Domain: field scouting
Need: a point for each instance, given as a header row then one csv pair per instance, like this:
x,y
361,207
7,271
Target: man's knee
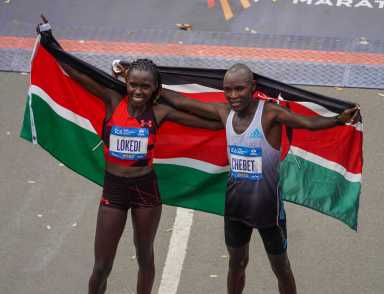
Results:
x,y
238,263
281,266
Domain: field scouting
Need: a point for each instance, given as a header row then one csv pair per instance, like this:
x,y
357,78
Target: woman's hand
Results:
x,y
42,27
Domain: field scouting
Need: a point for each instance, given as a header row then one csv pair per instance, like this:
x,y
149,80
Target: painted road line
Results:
x,y
176,251
245,3
227,11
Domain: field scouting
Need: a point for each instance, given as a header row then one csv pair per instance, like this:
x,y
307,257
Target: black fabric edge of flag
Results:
x,y
207,77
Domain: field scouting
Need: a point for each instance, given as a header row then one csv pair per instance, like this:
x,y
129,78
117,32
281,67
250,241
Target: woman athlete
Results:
x,y
130,181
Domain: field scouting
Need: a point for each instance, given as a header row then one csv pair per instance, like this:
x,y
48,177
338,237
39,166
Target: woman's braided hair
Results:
x,y
142,65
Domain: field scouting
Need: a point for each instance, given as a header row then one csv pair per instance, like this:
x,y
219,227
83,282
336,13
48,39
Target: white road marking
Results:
x,y
176,251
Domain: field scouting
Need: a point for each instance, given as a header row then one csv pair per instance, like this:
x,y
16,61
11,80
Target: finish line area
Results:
x,y
49,212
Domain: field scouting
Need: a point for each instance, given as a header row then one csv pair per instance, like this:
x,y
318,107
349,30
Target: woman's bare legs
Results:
x,y
110,226
145,222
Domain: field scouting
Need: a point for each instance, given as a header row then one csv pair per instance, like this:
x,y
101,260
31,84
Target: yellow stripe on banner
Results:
x,y
245,4
228,14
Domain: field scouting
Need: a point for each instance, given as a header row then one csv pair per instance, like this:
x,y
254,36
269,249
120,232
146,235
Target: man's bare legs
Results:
x,y
282,269
238,261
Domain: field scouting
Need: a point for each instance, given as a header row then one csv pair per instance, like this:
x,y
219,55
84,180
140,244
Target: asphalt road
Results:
x,y
48,213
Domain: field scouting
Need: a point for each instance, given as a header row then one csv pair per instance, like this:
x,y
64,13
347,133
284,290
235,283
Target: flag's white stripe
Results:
x,y
32,120
318,109
189,162
85,123
176,251
191,88
194,163
31,115
60,110
296,151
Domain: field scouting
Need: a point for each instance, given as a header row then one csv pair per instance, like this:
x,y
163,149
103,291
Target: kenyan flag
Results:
x,y
320,170
66,120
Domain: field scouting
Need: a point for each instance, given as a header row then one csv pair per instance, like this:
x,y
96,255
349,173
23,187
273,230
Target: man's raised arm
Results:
x,y
285,116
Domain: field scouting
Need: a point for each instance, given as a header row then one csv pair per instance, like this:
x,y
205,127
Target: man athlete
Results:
x,y
253,130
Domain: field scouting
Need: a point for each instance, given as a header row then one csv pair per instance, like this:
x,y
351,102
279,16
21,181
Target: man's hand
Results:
x,y
350,115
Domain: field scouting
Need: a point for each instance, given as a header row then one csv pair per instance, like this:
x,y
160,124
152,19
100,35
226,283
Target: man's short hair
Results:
x,y
240,67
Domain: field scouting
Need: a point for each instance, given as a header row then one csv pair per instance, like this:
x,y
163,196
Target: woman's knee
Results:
x,y
145,258
102,268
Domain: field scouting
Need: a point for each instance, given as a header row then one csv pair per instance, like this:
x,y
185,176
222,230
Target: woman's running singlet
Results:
x,y
128,140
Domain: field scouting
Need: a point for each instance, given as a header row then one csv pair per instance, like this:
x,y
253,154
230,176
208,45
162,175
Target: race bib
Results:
x,y
128,143
246,163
